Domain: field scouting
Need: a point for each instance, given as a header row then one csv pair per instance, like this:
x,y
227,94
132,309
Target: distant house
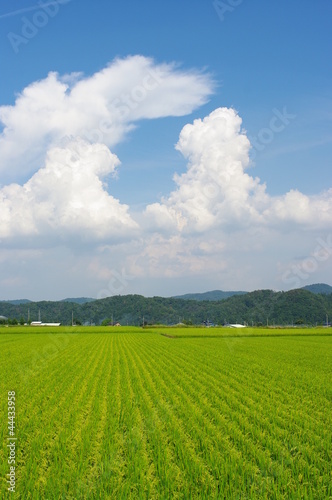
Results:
x,y
3,318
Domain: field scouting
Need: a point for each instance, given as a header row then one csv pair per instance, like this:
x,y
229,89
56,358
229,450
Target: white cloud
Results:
x,y
99,108
218,226
179,256
216,192
299,209
66,199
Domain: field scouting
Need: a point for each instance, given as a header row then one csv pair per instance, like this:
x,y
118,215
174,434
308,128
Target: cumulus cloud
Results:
x,y
59,132
99,108
219,223
66,198
299,209
217,192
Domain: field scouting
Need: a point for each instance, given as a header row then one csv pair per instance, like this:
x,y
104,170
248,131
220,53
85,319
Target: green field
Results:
x,y
199,413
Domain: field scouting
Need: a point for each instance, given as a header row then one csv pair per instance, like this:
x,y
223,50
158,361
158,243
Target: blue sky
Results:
x,y
244,90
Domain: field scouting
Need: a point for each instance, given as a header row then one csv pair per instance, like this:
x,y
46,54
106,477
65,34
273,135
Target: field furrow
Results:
x,y
132,414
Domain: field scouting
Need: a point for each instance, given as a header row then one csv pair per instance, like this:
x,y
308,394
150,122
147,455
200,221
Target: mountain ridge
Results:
x,y
318,288
297,306
210,295
78,300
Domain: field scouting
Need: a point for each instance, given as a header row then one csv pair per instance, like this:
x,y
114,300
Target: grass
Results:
x,y
214,332
130,413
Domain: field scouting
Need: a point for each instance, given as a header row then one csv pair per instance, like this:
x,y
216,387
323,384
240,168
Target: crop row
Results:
x,y
139,415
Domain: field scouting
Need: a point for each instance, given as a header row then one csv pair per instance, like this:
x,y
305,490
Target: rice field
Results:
x,y
131,413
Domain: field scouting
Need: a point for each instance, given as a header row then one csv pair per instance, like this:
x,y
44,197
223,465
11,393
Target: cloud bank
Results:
x,y
58,168
217,192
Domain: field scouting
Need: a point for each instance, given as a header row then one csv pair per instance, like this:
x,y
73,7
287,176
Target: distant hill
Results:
x,y
261,307
79,300
318,288
17,302
213,295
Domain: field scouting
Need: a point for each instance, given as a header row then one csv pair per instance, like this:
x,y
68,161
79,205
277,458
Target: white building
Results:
x,y
39,323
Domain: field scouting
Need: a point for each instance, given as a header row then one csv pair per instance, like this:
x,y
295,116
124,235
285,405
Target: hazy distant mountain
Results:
x,y
17,302
318,288
213,295
79,300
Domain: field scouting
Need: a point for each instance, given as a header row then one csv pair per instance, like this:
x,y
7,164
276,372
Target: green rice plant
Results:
x,y
131,413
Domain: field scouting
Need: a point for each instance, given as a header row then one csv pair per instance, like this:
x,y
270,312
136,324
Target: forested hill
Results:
x,y
259,307
319,288
213,295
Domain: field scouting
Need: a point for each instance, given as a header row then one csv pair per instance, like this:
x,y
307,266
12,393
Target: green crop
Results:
x,y
130,413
